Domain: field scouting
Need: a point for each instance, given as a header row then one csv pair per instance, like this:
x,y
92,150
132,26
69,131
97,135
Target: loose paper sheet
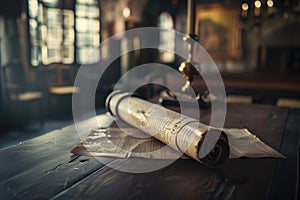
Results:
x,y
123,143
242,143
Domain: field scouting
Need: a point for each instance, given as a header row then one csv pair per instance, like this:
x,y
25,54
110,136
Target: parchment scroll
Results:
x,y
181,133
160,133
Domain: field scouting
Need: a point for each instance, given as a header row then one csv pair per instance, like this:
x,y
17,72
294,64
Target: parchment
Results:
x,y
181,133
103,142
153,132
131,143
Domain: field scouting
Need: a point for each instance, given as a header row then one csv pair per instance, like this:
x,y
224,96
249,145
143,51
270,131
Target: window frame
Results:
x,y
43,49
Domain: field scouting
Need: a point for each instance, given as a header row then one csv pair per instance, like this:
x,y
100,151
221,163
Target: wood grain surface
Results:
x,y
44,168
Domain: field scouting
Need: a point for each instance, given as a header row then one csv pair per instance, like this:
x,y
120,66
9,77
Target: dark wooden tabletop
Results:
x,y
44,168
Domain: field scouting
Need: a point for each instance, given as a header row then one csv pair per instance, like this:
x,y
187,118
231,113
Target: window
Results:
x,y
87,30
58,35
167,38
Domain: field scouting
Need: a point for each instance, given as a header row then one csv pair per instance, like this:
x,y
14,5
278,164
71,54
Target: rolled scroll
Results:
x,y
180,132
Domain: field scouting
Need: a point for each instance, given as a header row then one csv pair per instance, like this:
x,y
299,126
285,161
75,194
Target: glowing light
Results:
x,y
126,12
257,4
245,6
270,3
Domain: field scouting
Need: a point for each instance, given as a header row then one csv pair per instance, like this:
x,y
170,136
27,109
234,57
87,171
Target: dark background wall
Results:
x,y
268,44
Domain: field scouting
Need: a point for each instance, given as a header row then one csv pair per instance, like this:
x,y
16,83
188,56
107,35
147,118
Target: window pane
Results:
x,y
83,55
33,24
33,38
54,35
33,8
68,54
94,25
68,18
81,10
80,55
41,14
51,54
87,27
167,38
35,56
33,31
51,2
43,34
93,12
82,24
68,36
54,16
51,29
96,40
89,2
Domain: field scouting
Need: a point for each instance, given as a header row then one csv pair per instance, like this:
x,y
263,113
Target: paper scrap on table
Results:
x,y
242,143
114,142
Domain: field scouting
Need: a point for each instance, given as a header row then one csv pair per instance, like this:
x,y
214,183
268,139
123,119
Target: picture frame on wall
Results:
x,y
217,28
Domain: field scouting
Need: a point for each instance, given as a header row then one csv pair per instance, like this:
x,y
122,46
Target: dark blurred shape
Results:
x,y
10,8
23,99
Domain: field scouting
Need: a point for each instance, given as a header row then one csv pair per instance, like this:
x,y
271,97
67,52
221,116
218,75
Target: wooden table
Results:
x,y
44,168
270,86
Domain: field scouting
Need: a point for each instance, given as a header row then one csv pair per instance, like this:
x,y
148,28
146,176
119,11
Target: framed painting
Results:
x,y
217,27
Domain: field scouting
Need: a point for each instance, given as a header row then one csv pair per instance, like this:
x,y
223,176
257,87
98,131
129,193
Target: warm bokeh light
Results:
x,y
270,3
245,6
257,4
126,12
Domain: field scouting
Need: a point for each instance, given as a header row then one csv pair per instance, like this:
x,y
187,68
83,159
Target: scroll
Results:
x,y
154,132
182,133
